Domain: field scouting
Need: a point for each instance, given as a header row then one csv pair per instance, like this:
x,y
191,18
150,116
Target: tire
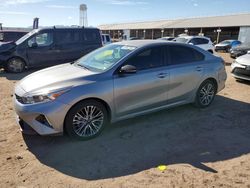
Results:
x,y
79,122
15,65
205,94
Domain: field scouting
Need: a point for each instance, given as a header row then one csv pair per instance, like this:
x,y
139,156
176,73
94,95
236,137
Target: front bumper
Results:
x,y
240,71
235,54
221,48
3,60
53,113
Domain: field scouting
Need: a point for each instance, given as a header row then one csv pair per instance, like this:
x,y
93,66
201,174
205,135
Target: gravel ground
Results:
x,y
200,147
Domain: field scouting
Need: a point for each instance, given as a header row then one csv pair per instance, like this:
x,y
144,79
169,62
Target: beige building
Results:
x,y
222,27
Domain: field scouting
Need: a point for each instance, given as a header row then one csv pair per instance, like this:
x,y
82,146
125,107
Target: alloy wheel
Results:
x,y
206,94
88,121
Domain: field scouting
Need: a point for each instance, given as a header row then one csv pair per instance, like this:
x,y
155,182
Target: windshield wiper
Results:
x,y
80,65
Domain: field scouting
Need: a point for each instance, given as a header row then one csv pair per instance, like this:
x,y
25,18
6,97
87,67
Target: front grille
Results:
x,y
19,99
241,71
220,48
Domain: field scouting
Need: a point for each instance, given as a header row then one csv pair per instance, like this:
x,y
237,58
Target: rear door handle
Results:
x,y
162,75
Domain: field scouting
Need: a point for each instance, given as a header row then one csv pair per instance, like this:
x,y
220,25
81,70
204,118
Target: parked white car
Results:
x,y
241,67
200,41
106,39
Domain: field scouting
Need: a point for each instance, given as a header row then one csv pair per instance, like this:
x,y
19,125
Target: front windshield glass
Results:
x,y
22,39
181,40
105,57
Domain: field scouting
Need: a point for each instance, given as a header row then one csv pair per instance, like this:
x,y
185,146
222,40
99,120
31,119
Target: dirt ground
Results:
x,y
200,147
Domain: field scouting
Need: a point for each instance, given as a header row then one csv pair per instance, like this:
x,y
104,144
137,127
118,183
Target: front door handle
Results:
x,y
162,75
199,68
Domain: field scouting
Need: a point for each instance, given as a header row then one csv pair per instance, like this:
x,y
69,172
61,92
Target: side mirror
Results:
x,y
191,43
127,69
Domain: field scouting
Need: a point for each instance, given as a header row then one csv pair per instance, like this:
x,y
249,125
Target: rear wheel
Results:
x,y
15,65
205,94
86,120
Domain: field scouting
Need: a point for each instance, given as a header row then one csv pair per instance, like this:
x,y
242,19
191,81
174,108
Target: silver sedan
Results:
x,y
116,82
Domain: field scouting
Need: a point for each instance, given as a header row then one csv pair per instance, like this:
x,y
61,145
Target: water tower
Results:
x,y
83,15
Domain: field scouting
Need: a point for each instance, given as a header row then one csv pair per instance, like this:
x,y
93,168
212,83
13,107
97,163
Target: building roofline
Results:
x,y
170,23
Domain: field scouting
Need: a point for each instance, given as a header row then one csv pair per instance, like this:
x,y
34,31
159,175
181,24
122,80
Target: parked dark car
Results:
x,y
48,46
240,50
226,45
6,35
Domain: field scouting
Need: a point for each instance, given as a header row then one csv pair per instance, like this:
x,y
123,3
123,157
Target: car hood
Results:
x,y
242,47
222,45
6,46
53,78
244,60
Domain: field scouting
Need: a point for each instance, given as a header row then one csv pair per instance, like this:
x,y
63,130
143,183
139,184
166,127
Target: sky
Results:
x,y
20,13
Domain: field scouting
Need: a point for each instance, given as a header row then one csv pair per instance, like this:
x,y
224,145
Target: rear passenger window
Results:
x,y
203,41
91,36
182,54
68,37
150,58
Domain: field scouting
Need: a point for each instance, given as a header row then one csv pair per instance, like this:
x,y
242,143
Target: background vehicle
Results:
x,y
117,82
106,39
240,50
49,46
7,35
166,38
241,67
226,45
202,42
134,38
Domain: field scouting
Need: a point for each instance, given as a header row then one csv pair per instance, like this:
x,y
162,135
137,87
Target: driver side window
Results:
x,y
44,39
147,59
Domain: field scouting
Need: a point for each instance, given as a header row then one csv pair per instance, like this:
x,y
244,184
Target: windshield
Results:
x,y
181,40
105,57
22,39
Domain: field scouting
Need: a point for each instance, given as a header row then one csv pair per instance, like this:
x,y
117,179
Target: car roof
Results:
x,y
13,31
229,40
141,43
189,37
67,28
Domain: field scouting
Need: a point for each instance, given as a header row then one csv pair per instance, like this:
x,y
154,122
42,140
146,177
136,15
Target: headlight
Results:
x,y
43,97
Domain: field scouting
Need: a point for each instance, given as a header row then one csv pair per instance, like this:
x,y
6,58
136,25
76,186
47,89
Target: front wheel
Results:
x,y
205,94
15,65
86,120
